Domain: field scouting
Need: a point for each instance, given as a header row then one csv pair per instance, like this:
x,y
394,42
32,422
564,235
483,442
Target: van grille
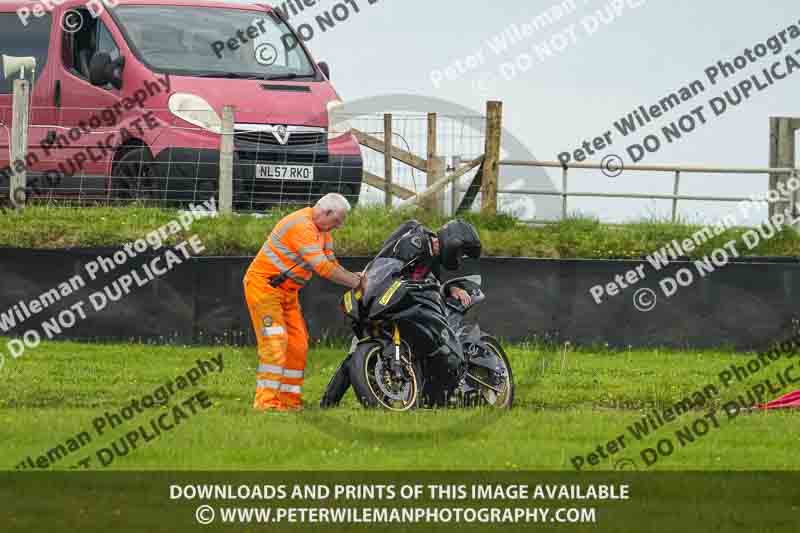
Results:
x,y
268,139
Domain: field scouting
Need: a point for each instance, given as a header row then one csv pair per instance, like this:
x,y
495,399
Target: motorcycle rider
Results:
x,y
423,252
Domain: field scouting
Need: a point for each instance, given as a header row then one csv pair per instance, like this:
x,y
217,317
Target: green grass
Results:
x,y
567,404
59,227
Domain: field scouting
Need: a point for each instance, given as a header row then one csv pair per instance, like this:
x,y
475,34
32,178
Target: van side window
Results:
x,y
18,40
79,47
105,42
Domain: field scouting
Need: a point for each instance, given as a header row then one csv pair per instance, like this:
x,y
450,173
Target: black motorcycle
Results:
x,y
412,347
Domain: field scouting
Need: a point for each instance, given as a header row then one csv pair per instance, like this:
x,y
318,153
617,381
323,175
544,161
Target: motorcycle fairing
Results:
x,y
350,305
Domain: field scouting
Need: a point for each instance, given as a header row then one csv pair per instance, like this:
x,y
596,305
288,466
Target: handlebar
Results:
x,y
424,284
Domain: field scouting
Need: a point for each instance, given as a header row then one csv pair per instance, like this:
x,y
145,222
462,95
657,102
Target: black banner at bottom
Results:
x,y
762,502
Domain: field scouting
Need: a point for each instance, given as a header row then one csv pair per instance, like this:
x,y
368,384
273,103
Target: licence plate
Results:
x,y
285,172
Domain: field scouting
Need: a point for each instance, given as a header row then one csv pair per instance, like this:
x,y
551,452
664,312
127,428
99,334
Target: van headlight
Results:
x,y
338,123
195,110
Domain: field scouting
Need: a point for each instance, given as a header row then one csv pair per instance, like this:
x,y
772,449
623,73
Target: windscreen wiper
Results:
x,y
233,75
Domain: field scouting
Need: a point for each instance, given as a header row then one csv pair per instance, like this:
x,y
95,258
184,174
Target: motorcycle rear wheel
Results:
x,y
374,384
489,397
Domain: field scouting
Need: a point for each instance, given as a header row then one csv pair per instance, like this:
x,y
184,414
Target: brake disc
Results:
x,y
382,373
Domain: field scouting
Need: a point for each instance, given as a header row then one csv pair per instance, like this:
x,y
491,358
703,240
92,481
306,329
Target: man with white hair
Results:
x,y
299,245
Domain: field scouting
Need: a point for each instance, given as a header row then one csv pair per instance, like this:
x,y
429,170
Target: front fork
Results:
x,y
397,367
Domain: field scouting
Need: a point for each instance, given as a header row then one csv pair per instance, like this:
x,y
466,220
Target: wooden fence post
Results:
x,y
387,159
226,162
491,168
454,187
774,136
436,167
781,155
19,141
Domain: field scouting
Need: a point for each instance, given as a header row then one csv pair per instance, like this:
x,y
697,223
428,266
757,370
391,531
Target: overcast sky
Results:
x,y
640,57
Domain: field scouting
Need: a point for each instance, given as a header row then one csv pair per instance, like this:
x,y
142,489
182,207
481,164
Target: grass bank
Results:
x,y
59,227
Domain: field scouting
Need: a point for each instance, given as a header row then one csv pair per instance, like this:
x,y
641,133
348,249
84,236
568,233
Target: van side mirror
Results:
x,y
103,70
323,66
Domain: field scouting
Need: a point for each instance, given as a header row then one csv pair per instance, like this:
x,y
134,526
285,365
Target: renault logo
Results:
x,y
281,133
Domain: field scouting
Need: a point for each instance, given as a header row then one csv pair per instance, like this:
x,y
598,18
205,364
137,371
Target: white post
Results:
x,y
675,189
226,162
564,194
19,142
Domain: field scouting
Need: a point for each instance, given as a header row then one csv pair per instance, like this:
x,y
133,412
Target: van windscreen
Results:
x,y
213,41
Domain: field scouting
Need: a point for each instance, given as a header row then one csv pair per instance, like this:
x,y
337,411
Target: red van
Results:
x,y
127,103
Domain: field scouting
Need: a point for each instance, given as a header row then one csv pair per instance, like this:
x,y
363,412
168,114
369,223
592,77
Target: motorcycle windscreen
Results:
x,y
380,276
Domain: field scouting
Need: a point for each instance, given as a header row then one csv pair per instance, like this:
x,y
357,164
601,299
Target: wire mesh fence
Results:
x,y
114,156
459,138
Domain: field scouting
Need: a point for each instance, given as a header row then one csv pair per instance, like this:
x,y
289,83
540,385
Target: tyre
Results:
x,y
486,382
132,179
337,386
375,384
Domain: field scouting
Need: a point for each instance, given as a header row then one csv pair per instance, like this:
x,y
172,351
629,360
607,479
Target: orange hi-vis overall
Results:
x,y
277,318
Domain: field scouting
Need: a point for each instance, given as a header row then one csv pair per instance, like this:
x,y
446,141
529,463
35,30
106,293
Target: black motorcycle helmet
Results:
x,y
456,240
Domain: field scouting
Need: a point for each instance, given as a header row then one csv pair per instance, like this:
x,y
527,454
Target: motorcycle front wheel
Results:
x,y
378,384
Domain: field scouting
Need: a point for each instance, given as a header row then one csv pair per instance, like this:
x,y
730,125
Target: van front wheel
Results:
x,y
132,177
